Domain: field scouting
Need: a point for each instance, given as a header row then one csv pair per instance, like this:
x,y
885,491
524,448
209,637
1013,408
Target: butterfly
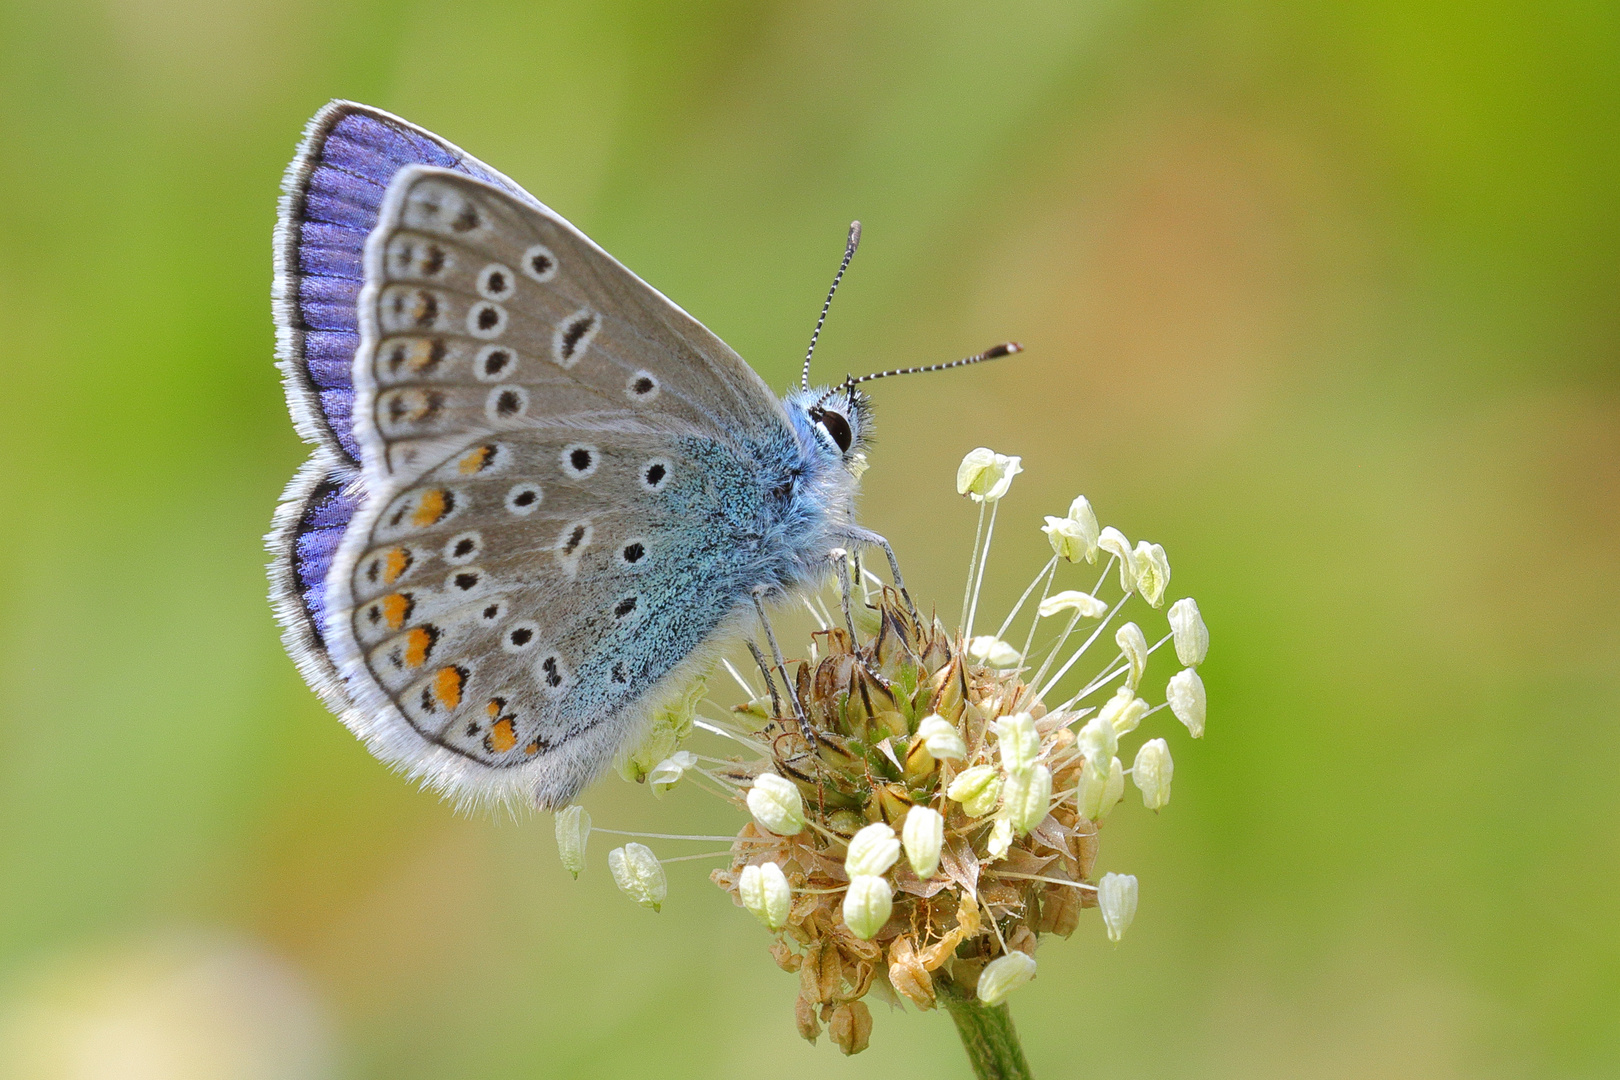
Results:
x,y
542,497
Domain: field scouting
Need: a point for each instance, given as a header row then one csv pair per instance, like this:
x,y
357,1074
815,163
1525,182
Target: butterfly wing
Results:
x,y
563,477
482,311
507,619
332,196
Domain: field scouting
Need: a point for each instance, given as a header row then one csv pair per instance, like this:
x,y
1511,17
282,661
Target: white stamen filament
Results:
x,y
742,682
1064,670
1052,649
690,858
973,561
716,729
1039,877
672,836
1029,639
984,559
1048,571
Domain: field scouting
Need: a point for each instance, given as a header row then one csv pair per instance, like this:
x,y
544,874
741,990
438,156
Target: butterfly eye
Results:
x,y
835,425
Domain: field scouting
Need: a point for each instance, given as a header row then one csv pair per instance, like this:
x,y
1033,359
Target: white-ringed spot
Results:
x,y
486,319
539,263
463,548
573,336
493,363
524,499
519,637
580,460
495,282
634,552
506,403
627,608
642,387
654,475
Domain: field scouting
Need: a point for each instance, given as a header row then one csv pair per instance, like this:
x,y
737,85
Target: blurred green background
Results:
x,y
1321,297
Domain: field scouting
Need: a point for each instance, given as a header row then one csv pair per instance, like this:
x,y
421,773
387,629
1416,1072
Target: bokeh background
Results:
x,y
1323,297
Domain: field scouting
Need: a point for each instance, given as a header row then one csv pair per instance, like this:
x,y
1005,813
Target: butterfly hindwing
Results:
x,y
514,607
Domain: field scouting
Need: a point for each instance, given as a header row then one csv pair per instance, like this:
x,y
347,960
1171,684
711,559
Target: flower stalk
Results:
x,y
988,1036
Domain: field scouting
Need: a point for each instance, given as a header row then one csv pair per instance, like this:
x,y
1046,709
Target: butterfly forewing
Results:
x,y
485,314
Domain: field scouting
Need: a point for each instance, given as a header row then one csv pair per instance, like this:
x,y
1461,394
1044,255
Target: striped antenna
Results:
x,y
849,253
995,353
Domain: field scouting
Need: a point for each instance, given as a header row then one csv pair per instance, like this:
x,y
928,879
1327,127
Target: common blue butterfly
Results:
x,y
542,496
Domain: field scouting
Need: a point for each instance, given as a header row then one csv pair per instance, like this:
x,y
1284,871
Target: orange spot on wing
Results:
x,y
503,736
434,505
495,706
447,686
395,563
396,609
477,460
533,748
418,643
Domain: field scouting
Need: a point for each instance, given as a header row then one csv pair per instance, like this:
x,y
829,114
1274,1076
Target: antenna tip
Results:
x,y
854,236
1003,350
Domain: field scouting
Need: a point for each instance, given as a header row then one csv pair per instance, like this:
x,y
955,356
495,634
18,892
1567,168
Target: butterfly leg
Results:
x,y
770,680
864,536
841,561
781,665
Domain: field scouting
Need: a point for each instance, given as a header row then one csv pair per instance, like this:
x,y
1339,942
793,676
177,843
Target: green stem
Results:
x,y
987,1035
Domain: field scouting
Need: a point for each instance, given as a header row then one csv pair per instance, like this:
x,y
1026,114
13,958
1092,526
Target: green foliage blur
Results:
x,y
1322,297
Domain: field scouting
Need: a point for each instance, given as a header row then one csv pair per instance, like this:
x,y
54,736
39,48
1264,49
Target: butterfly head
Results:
x,y
833,419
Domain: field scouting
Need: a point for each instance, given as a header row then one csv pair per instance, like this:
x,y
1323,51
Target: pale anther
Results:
x,y
637,872
1017,741
1152,572
573,829
1185,693
1003,975
867,905
765,893
1133,643
1116,896
985,476
1152,771
872,851
776,804
941,738
1113,541
924,836
976,789
1071,600
1191,635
